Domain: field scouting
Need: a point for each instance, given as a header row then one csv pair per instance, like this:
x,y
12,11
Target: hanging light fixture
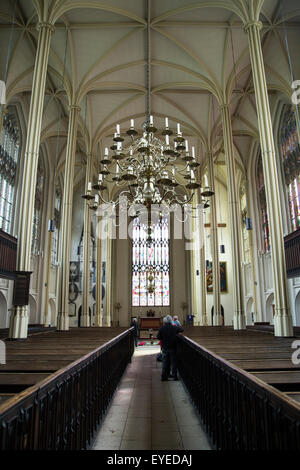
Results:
x,y
149,169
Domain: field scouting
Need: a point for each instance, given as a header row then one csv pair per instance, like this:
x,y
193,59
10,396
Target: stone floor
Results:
x,y
147,414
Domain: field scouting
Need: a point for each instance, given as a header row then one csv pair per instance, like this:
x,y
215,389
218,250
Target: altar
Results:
x,y
146,324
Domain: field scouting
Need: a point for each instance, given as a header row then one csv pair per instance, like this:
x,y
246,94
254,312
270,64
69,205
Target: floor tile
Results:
x,y
149,414
135,445
194,443
171,438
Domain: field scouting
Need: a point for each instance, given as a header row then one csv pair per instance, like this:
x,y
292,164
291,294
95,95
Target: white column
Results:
x,y
239,321
217,317
98,312
66,223
108,284
283,320
19,317
202,281
85,317
193,261
48,280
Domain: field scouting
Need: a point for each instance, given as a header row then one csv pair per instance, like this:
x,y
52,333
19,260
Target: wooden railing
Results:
x,y
239,411
8,255
64,411
292,253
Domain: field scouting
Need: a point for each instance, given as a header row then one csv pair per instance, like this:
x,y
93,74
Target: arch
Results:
x,y
52,319
297,309
80,313
270,309
222,315
249,312
3,311
31,310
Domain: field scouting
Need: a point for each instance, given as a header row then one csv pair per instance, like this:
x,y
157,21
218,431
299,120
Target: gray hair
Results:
x,y
175,317
168,319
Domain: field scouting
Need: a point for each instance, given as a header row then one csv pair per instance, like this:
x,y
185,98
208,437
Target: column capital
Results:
x,y
75,107
253,24
44,24
224,106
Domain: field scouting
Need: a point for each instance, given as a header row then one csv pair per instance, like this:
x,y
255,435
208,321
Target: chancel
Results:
x,y
149,183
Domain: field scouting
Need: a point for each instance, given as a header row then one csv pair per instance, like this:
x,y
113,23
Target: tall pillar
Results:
x,y
283,325
98,310
204,321
3,111
85,317
108,286
239,321
193,246
217,317
19,317
250,232
48,280
66,223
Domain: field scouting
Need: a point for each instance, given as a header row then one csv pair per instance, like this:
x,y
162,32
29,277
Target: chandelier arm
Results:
x,y
182,171
103,200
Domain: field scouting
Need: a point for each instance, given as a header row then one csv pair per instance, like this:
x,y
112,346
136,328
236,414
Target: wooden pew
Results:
x,y
43,353
256,351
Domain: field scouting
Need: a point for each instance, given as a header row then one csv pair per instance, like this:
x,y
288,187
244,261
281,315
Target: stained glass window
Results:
x,y
38,203
246,241
9,153
154,257
54,246
290,150
263,206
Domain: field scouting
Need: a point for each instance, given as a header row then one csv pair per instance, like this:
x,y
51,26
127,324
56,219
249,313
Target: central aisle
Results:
x,y
147,414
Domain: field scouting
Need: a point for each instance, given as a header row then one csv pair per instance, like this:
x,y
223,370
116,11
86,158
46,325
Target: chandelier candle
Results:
x,y
150,170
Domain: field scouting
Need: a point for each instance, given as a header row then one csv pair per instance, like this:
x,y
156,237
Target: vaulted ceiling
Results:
x,y
98,60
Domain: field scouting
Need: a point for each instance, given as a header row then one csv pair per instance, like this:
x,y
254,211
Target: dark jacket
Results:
x,y
136,327
167,334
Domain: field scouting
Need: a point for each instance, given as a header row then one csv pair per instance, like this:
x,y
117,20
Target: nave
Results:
x,y
147,414
92,389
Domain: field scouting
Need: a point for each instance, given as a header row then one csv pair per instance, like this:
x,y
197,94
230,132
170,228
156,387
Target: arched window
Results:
x,y
9,152
264,220
290,150
156,256
54,245
80,252
38,205
244,215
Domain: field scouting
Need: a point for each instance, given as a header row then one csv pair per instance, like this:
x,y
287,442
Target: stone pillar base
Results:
x,y
217,319
239,321
63,322
19,323
283,325
98,320
204,320
85,321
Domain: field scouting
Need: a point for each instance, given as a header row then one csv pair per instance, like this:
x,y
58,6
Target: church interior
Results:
x,y
149,167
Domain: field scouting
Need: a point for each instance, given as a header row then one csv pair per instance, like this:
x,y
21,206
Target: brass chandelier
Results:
x,y
149,169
